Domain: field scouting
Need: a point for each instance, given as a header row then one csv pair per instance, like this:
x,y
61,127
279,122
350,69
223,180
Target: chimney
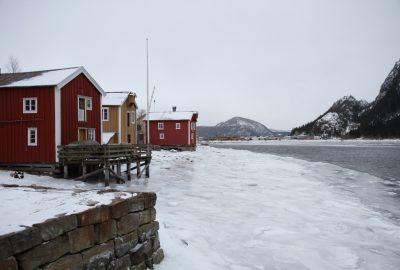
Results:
x,y
174,108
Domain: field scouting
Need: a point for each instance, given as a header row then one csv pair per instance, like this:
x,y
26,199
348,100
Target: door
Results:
x,y
82,134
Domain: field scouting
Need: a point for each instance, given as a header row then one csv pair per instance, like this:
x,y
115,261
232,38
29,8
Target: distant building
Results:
x,y
119,118
40,110
174,129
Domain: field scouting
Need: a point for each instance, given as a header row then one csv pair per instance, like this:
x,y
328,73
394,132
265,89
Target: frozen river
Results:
x,y
378,158
224,209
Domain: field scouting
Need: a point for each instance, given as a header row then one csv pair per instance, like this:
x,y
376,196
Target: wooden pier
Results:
x,y
91,160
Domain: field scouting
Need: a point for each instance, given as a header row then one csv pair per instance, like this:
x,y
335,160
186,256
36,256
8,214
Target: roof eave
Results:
x,y
75,74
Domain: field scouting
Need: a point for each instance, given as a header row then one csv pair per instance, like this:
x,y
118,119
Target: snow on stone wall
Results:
x,y
120,235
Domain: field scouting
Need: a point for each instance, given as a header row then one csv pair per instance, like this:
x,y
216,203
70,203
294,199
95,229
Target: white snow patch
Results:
x,y
107,136
52,77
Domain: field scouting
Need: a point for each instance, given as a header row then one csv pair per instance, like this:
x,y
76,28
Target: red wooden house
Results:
x,y
42,109
174,129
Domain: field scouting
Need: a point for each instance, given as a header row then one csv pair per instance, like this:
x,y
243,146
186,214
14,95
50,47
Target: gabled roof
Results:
x,y
165,116
52,77
116,98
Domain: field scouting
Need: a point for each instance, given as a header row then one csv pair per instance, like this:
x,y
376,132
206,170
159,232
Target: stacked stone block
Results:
x,y
122,235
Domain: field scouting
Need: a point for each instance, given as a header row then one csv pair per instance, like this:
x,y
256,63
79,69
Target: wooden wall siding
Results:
x,y
69,109
192,141
13,135
112,124
172,136
131,129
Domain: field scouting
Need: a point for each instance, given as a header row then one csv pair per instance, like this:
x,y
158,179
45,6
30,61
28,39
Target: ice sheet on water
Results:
x,y
300,215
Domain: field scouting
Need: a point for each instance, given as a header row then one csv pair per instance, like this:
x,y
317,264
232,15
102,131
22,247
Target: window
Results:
x,y
32,136
178,125
91,134
160,126
89,103
84,104
133,117
129,138
161,136
81,109
193,126
104,114
29,105
192,136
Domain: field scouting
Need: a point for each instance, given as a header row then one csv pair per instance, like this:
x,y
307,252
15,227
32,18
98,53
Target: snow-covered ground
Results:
x,y
232,209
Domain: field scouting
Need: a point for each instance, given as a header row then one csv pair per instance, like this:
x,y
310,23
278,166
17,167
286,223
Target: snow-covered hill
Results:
x,y
382,117
236,126
348,116
341,118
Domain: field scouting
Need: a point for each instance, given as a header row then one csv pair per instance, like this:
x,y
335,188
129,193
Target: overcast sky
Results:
x,y
281,63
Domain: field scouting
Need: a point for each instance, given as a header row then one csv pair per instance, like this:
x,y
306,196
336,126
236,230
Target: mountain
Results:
x,y
236,126
339,120
381,119
353,118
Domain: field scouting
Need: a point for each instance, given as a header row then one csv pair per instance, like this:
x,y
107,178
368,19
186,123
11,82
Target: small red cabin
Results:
x,y
174,129
42,109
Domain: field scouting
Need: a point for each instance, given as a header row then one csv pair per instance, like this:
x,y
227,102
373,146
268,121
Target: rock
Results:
x,y
81,238
44,253
8,264
128,223
69,262
98,255
123,263
119,209
105,231
147,216
5,247
124,243
94,215
52,228
136,204
158,256
25,239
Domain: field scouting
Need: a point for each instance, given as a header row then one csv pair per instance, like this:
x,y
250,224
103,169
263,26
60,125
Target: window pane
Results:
x,y
81,103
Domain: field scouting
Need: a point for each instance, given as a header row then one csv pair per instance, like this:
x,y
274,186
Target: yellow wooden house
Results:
x,y
119,118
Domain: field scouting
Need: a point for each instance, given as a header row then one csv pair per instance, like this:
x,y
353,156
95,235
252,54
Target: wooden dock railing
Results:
x,y
104,158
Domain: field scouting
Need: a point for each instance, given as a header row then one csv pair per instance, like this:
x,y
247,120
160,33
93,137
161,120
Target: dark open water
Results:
x,y
381,159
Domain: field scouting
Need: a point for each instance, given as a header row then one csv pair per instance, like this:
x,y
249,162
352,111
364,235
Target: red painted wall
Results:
x,y
69,109
172,136
14,125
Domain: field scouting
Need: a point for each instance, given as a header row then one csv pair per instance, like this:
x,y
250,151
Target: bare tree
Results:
x,y
13,65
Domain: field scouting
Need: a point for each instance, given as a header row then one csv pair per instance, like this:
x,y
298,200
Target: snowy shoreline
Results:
x,y
234,209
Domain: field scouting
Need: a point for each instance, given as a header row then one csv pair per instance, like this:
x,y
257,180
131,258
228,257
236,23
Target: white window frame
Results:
x,y
133,117
162,136
88,103
87,108
35,143
30,99
91,134
193,126
177,125
105,109
192,136
160,125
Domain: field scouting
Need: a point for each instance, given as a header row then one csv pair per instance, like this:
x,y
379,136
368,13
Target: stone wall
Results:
x,y
121,235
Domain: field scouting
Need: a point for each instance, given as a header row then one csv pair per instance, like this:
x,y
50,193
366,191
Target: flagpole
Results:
x,y
147,87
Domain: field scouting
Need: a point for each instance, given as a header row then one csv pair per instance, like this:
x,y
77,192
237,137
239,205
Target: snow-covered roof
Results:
x,y
56,77
107,137
163,116
116,98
